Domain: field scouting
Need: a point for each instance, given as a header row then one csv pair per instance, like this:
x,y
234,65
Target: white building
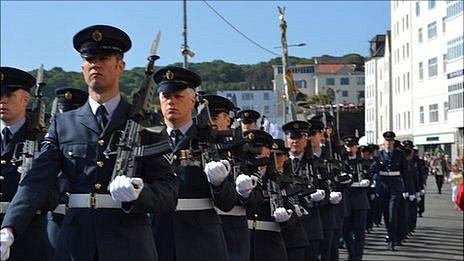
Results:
x,y
426,65
378,88
263,101
455,70
320,78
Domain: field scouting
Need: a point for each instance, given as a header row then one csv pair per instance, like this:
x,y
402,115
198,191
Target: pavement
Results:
x,y
439,233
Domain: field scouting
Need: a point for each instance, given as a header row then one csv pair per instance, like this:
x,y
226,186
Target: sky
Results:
x,y
41,32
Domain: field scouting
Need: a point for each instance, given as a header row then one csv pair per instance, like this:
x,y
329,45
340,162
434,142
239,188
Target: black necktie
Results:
x,y
101,117
389,155
6,137
176,135
295,163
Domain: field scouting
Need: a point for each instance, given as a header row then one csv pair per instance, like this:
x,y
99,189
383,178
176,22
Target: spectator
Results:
x,y
455,178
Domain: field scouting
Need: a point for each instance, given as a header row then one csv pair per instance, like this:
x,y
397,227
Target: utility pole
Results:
x,y
184,49
289,92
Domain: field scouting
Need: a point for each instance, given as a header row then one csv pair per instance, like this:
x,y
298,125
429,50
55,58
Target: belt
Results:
x,y
390,173
263,225
189,204
235,211
4,206
60,209
92,200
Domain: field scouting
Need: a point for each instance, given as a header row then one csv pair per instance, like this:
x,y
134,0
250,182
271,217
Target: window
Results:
x,y
404,82
432,4
432,30
266,109
402,24
301,84
409,120
444,63
433,112
421,115
419,36
345,81
404,53
345,93
407,21
407,80
417,8
359,80
247,96
445,111
407,50
421,71
433,70
404,120
454,9
329,81
266,96
455,96
455,48
398,124
443,24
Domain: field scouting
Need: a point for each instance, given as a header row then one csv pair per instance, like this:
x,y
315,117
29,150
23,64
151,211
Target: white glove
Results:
x,y
217,171
244,184
422,192
125,189
318,195
419,199
298,210
282,214
412,197
418,195
373,184
6,240
372,196
364,183
335,197
405,195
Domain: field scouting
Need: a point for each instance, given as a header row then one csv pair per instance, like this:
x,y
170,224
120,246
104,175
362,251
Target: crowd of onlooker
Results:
x,y
445,171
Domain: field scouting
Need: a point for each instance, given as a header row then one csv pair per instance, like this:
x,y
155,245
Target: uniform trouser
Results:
x,y
377,210
439,180
390,194
54,223
312,251
421,205
329,245
412,215
403,222
237,237
296,253
354,233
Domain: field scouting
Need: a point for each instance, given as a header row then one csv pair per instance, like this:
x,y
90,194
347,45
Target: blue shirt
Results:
x,y
13,127
110,105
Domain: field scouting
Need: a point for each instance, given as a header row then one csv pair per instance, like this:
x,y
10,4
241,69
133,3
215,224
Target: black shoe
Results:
x,y
387,239
391,246
400,243
420,214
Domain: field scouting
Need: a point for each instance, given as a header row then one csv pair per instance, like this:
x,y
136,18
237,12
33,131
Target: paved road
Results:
x,y
439,233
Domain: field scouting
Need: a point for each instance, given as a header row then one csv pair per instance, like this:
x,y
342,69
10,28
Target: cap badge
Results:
x,y
251,136
68,95
296,126
169,75
275,146
97,36
309,124
246,114
2,77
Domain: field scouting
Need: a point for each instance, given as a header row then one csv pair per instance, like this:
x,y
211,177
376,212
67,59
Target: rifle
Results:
x,y
25,152
129,140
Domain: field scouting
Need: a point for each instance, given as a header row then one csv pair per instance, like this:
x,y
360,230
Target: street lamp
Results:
x,y
292,45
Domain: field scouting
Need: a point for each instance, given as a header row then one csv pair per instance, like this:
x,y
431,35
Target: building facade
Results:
x,y
426,77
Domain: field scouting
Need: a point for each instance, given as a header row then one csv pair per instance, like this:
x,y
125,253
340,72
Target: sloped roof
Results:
x,y
334,68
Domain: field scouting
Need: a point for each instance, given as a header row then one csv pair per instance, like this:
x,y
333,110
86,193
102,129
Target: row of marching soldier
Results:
x,y
195,188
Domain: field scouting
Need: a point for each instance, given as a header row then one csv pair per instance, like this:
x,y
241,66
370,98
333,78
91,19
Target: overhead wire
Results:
x,y
238,31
